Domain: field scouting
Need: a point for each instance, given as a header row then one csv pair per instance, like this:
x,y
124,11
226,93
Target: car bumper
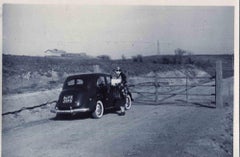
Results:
x,y
71,111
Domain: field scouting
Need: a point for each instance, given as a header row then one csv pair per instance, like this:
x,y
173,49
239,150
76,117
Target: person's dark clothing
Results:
x,y
123,78
124,87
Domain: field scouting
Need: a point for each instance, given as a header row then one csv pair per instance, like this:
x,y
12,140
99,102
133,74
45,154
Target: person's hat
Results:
x,y
118,69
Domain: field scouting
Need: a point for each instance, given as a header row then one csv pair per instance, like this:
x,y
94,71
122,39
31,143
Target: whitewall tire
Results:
x,y
99,110
128,102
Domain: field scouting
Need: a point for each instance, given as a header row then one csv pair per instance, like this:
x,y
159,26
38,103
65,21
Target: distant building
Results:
x,y
62,53
54,52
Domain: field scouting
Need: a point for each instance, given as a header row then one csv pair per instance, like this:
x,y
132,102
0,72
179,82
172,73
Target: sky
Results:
x,y
117,30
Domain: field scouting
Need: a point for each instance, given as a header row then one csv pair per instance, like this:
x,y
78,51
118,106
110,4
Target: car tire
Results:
x,y
128,102
99,110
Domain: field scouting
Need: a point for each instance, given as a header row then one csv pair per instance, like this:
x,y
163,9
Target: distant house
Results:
x,y
54,52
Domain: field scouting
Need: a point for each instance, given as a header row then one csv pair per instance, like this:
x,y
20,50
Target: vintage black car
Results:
x,y
89,93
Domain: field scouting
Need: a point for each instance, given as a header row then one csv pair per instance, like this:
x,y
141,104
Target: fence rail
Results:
x,y
217,86
180,77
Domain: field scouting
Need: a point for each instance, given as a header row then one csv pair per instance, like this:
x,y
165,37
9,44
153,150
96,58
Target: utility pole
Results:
x,y
158,49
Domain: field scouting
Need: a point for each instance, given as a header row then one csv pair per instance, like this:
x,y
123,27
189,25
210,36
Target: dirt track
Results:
x,y
146,130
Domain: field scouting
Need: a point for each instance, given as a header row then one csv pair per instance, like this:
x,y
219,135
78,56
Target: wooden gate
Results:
x,y
204,91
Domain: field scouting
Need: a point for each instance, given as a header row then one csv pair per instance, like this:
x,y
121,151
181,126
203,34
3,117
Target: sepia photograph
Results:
x,y
104,80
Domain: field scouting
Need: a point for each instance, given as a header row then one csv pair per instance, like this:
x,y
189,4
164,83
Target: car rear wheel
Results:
x,y
99,109
128,103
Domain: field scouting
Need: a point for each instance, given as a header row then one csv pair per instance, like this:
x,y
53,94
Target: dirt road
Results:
x,y
144,131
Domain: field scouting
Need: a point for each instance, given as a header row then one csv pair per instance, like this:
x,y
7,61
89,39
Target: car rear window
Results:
x,y
74,82
70,82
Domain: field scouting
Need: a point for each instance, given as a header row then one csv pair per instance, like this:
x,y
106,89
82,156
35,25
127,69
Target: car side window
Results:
x,y
79,82
108,78
101,81
70,82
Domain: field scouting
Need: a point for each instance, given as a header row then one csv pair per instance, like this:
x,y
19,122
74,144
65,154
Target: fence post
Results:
x,y
219,100
156,88
187,89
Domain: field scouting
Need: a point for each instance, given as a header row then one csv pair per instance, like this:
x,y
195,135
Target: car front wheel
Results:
x,y
128,103
99,109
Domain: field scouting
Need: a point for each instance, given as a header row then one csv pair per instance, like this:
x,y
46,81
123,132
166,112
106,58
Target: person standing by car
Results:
x,y
122,82
121,75
122,87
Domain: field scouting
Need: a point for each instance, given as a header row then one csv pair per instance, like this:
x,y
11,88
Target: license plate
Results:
x,y
67,99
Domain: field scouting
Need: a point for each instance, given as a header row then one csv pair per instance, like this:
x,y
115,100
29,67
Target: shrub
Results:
x,y
123,58
154,62
104,57
189,60
204,64
166,60
137,58
140,58
134,58
179,55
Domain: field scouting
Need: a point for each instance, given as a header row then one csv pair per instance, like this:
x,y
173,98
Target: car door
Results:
x,y
109,96
102,89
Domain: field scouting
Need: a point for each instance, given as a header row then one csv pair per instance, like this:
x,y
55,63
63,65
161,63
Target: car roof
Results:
x,y
87,75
